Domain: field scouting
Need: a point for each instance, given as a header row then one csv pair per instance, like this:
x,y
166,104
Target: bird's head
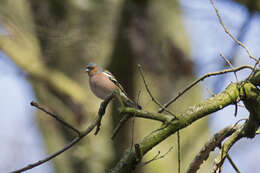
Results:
x,y
92,69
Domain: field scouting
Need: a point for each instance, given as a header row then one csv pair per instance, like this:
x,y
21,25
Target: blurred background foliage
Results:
x,y
52,41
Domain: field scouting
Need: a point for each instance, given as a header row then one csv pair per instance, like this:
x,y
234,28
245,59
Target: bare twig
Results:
x,y
119,125
253,72
242,119
236,108
201,79
229,33
133,123
230,65
68,146
233,164
165,109
212,94
150,94
179,151
157,156
56,117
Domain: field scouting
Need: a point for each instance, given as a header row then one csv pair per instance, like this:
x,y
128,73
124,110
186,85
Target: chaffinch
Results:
x,y
103,83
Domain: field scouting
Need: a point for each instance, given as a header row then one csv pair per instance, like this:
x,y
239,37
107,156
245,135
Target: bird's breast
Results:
x,y
101,86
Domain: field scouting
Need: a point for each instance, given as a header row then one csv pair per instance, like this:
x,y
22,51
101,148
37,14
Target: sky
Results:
x,y
19,131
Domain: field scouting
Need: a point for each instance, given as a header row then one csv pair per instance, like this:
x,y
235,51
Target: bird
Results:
x,y
102,83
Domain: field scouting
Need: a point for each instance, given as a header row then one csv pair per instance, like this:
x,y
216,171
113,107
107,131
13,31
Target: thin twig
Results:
x,y
201,79
119,125
253,72
236,108
56,117
229,33
68,146
242,119
212,94
233,164
156,157
150,94
133,123
230,65
179,151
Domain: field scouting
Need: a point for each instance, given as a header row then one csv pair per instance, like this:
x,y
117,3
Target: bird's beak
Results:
x,y
87,70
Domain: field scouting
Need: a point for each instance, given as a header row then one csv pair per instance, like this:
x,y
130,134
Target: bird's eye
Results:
x,y
88,69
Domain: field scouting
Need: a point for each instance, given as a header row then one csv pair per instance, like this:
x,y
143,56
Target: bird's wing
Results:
x,y
129,102
113,79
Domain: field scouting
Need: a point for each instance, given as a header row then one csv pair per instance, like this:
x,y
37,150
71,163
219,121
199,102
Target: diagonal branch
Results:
x,y
201,79
56,117
94,123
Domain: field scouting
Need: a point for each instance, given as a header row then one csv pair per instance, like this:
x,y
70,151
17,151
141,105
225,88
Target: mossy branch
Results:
x,y
233,93
210,146
227,97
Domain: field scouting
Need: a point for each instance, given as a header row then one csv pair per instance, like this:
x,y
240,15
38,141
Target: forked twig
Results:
x,y
157,156
69,145
150,93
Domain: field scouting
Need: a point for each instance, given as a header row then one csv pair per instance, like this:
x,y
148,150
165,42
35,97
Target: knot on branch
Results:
x,y
251,98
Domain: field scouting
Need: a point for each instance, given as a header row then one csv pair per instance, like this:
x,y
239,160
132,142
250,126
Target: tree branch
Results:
x,y
227,97
210,146
224,150
201,79
229,33
150,93
72,143
56,117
